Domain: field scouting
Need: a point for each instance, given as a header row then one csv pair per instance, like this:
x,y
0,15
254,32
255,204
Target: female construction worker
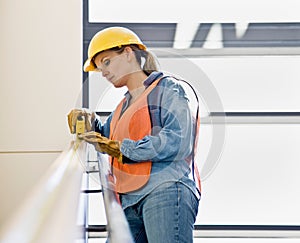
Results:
x,y
150,137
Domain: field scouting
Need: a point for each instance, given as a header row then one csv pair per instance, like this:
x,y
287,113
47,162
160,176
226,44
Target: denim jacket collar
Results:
x,y
151,78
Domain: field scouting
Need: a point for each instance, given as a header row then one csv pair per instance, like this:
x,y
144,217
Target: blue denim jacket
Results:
x,y
170,142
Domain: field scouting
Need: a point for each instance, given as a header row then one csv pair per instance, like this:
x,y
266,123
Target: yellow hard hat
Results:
x,y
107,39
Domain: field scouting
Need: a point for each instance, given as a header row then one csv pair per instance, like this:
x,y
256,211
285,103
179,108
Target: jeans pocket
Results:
x,y
194,200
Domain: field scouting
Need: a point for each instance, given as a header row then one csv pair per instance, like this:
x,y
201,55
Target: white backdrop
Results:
x,y
256,178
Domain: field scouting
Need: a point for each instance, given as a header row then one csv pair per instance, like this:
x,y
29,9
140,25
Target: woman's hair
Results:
x,y
150,62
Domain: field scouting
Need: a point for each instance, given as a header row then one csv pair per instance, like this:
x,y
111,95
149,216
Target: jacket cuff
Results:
x,y
126,146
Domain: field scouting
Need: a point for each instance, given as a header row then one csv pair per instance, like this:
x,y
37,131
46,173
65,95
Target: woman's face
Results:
x,y
115,67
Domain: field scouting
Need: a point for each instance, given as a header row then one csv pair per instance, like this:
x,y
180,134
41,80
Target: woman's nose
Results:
x,y
104,73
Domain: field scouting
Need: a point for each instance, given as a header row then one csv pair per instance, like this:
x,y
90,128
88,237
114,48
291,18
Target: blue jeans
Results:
x,y
165,215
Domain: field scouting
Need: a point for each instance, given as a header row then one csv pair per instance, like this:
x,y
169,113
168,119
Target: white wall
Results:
x,y
40,80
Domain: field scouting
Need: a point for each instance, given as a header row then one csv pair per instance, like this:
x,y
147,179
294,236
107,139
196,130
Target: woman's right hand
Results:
x,y
74,114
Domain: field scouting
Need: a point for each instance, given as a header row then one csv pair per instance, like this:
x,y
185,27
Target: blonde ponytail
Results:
x,y
151,63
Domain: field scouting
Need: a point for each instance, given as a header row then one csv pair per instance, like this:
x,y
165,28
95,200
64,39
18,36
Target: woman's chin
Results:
x,y
117,84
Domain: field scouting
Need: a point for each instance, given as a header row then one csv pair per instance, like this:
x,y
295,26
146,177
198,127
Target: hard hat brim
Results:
x,y
89,66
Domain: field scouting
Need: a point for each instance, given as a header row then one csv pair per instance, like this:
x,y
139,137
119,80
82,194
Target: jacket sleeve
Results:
x,y
172,133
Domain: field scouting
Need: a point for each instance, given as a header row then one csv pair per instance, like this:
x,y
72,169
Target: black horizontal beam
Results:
x,y
96,228
248,227
234,114
92,191
92,171
161,35
197,227
255,114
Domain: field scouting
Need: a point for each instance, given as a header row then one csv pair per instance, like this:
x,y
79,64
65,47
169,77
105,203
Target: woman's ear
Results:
x,y
129,53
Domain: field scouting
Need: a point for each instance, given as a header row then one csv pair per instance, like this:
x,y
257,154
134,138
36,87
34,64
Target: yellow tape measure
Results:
x,y
80,125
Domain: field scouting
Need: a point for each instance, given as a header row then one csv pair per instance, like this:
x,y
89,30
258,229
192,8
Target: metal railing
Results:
x,y
117,225
49,213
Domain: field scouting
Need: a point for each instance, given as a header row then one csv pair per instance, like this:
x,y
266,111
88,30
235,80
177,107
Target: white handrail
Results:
x,y
117,225
49,213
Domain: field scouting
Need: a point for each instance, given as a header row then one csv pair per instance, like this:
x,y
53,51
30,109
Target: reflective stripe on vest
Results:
x,y
134,123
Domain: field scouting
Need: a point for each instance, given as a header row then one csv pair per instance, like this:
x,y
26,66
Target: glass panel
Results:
x,y
245,83
169,11
257,178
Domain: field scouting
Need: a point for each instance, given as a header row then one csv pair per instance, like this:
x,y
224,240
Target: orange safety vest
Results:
x,y
134,123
